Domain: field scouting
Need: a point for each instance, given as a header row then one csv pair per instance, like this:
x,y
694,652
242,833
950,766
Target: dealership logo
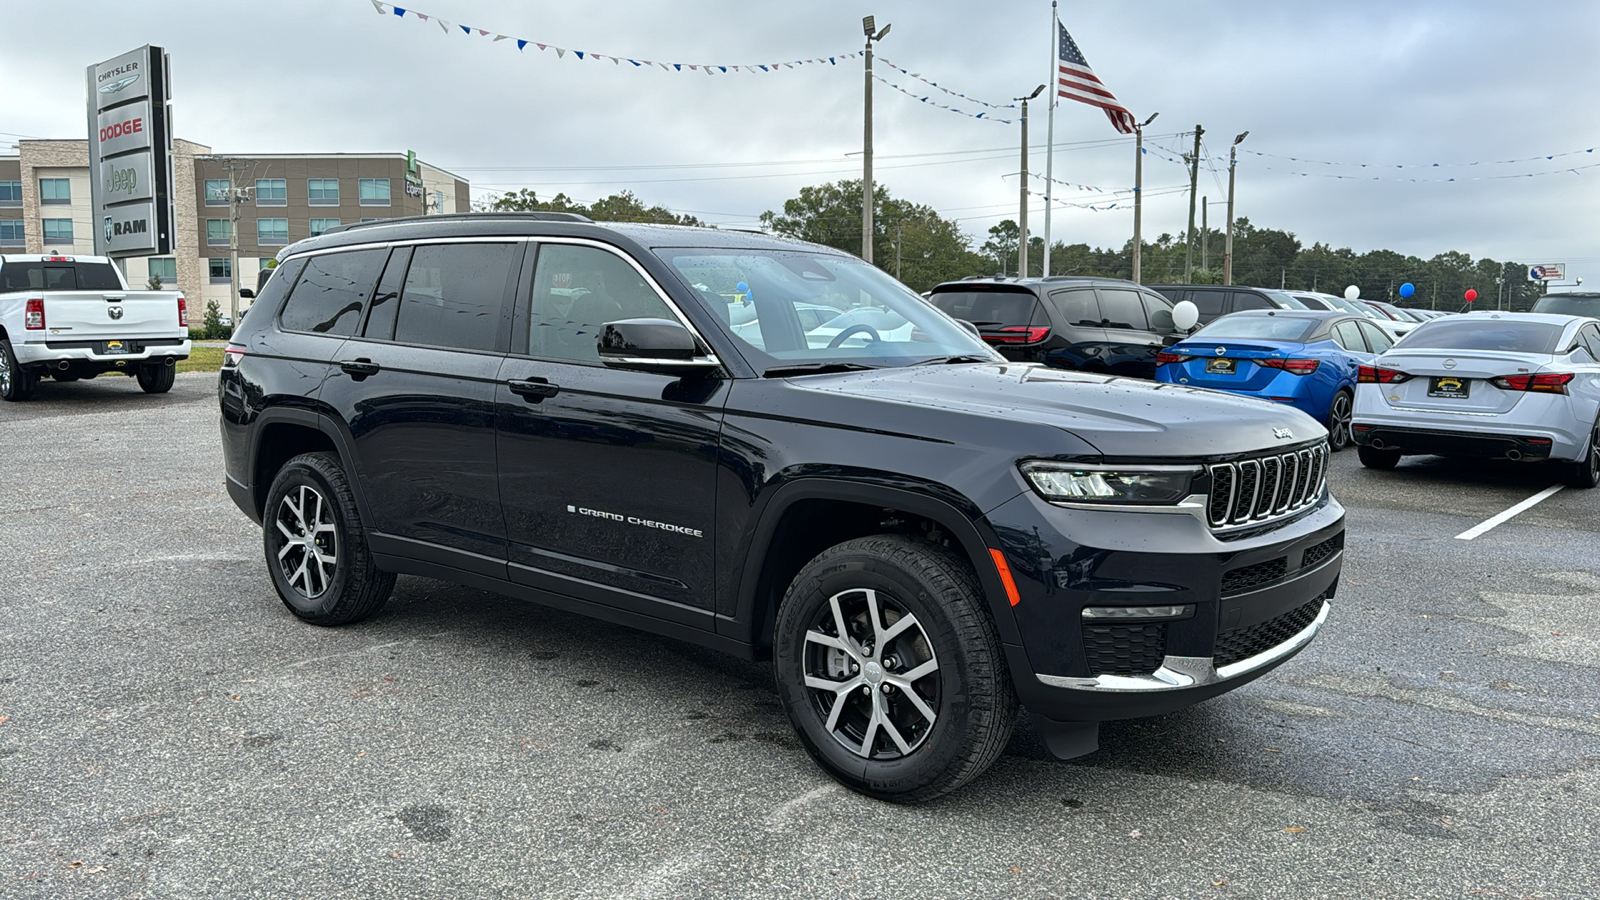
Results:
x,y
122,129
132,226
122,181
118,85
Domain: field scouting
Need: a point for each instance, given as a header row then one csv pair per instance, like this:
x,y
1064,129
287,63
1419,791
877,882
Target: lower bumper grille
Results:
x,y
1322,551
1125,649
1243,643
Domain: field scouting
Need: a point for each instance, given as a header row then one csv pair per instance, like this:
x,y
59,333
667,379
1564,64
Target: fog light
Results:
x,y
1137,613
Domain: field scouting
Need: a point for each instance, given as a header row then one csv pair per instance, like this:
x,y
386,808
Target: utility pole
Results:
x,y
868,26
899,232
1227,240
1022,215
1194,182
1138,193
1050,130
1205,234
235,198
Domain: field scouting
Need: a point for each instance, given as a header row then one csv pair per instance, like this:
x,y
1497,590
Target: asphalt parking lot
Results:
x,y
167,729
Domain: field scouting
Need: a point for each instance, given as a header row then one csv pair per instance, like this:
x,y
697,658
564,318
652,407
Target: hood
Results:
x,y
1121,417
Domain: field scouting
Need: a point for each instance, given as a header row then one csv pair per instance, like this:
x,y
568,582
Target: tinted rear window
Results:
x,y
454,295
1474,332
1268,328
329,296
58,276
1569,306
987,307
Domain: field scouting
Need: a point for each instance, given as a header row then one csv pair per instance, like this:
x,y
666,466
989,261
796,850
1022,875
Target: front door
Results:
x,y
607,476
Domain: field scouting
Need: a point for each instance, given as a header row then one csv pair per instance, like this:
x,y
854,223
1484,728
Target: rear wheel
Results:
x,y
16,383
1585,473
316,547
890,668
1339,415
1373,458
156,378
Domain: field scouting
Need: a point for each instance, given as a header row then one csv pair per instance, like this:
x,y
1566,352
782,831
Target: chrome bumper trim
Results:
x,y
1180,672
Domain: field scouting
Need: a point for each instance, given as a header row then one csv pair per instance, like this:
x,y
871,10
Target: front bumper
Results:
x,y
1255,601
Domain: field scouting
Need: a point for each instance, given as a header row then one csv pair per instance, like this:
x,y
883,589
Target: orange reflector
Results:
x,y
1005,576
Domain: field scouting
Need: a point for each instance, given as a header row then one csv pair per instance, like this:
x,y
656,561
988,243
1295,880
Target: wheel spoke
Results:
x,y
284,529
870,737
915,699
876,615
833,713
921,671
838,623
287,546
828,640
894,735
894,631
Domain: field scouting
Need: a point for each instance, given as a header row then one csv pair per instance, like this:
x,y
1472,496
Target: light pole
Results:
x,y
868,26
1022,215
1138,192
1227,242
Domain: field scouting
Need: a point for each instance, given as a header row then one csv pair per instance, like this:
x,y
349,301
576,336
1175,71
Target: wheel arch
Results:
x,y
282,434
786,538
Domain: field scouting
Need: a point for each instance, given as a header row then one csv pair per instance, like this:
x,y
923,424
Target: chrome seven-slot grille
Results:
x,y
1249,491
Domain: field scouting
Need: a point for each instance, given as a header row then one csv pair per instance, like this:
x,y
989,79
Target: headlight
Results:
x,y
1134,485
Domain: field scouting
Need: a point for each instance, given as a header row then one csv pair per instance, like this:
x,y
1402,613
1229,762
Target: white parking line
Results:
x,y
1501,518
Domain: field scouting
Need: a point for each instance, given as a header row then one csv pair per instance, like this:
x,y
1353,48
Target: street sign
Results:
x,y
1551,272
130,154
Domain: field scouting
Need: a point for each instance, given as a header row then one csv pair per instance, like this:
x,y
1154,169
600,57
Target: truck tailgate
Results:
x,y
86,315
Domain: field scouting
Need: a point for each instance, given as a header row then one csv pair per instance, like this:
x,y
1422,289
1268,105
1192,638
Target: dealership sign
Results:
x,y
130,154
1548,272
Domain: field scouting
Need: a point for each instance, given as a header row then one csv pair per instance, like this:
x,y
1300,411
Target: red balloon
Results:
x,y
1471,295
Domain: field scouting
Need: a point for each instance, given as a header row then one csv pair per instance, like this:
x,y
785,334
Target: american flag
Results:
x,y
1076,81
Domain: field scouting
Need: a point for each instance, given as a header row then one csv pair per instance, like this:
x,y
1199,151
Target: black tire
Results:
x,y
1585,473
1373,458
968,689
156,378
311,491
1340,412
16,383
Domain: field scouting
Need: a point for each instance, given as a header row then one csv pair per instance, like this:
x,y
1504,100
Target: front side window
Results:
x,y
272,232
272,192
879,322
576,291
332,291
11,233
165,268
374,192
217,232
55,190
322,191
220,268
10,193
318,226
454,295
1208,302
1122,308
217,192
57,230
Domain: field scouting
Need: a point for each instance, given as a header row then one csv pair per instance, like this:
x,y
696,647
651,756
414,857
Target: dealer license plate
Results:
x,y
115,348
1449,388
1220,367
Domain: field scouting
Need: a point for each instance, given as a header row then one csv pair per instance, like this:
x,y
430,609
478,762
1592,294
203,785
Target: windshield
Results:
x,y
1569,305
787,307
1287,299
1270,328
1483,333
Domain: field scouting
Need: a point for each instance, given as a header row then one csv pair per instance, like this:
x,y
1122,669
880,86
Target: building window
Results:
x,y
371,220
55,190
374,192
217,232
11,233
322,191
57,230
221,270
163,267
10,193
272,192
272,232
318,226
216,192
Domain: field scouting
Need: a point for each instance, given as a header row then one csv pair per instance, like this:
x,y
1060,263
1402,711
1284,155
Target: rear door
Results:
x,y
1131,342
1078,340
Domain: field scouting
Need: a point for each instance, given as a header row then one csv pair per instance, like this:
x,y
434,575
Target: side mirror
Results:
x,y
970,327
246,294
652,345
1185,315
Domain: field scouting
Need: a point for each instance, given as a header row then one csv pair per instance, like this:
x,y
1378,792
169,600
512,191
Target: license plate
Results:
x,y
115,348
1449,388
1220,367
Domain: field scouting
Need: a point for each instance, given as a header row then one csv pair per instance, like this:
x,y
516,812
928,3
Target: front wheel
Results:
x,y
1585,473
316,547
1373,458
890,668
156,378
1339,416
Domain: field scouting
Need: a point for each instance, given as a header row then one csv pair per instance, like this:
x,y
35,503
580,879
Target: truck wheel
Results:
x,y
1373,458
890,668
16,383
1585,473
316,547
156,378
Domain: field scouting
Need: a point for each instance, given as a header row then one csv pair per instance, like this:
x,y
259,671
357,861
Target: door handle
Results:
x,y
358,369
533,389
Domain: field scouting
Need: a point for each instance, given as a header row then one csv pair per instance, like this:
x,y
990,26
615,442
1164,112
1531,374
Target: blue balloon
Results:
x,y
1407,289
743,289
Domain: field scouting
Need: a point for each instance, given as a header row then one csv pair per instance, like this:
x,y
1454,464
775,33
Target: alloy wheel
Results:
x,y
871,674
1339,425
1594,452
5,372
308,541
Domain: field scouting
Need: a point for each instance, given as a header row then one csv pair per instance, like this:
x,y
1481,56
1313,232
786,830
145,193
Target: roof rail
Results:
x,y
474,217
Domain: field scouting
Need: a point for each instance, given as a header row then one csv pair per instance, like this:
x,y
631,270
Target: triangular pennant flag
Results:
x,y
500,37
579,53
521,44
540,46
443,25
723,68
678,67
560,53
693,68
379,7
399,12
422,17
635,63
617,62
465,29
482,33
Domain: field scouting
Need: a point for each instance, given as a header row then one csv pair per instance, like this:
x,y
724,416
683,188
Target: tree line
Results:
x,y
915,244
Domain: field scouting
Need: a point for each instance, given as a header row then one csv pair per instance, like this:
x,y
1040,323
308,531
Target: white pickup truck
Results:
x,y
73,317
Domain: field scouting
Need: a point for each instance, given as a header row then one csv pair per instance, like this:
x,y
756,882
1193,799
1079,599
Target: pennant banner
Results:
x,y
561,52
931,102
1564,170
1498,162
943,88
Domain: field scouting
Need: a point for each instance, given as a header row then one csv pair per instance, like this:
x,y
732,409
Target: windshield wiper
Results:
x,y
950,360
820,368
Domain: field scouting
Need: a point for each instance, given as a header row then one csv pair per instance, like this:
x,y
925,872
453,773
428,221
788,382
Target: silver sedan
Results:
x,y
1520,386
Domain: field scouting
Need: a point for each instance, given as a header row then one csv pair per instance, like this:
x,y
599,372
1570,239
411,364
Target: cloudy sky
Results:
x,y
1384,84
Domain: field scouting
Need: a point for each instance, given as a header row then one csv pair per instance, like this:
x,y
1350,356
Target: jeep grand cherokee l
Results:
x,y
632,422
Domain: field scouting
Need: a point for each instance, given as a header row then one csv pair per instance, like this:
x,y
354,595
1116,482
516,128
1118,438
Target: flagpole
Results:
x,y
1050,132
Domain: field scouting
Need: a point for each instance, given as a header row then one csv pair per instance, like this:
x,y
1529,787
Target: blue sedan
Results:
x,y
1305,359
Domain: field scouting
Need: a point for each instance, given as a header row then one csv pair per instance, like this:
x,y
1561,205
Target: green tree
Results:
x,y
623,207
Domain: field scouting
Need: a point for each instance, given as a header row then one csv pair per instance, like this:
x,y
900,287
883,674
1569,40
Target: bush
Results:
x,y
212,322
